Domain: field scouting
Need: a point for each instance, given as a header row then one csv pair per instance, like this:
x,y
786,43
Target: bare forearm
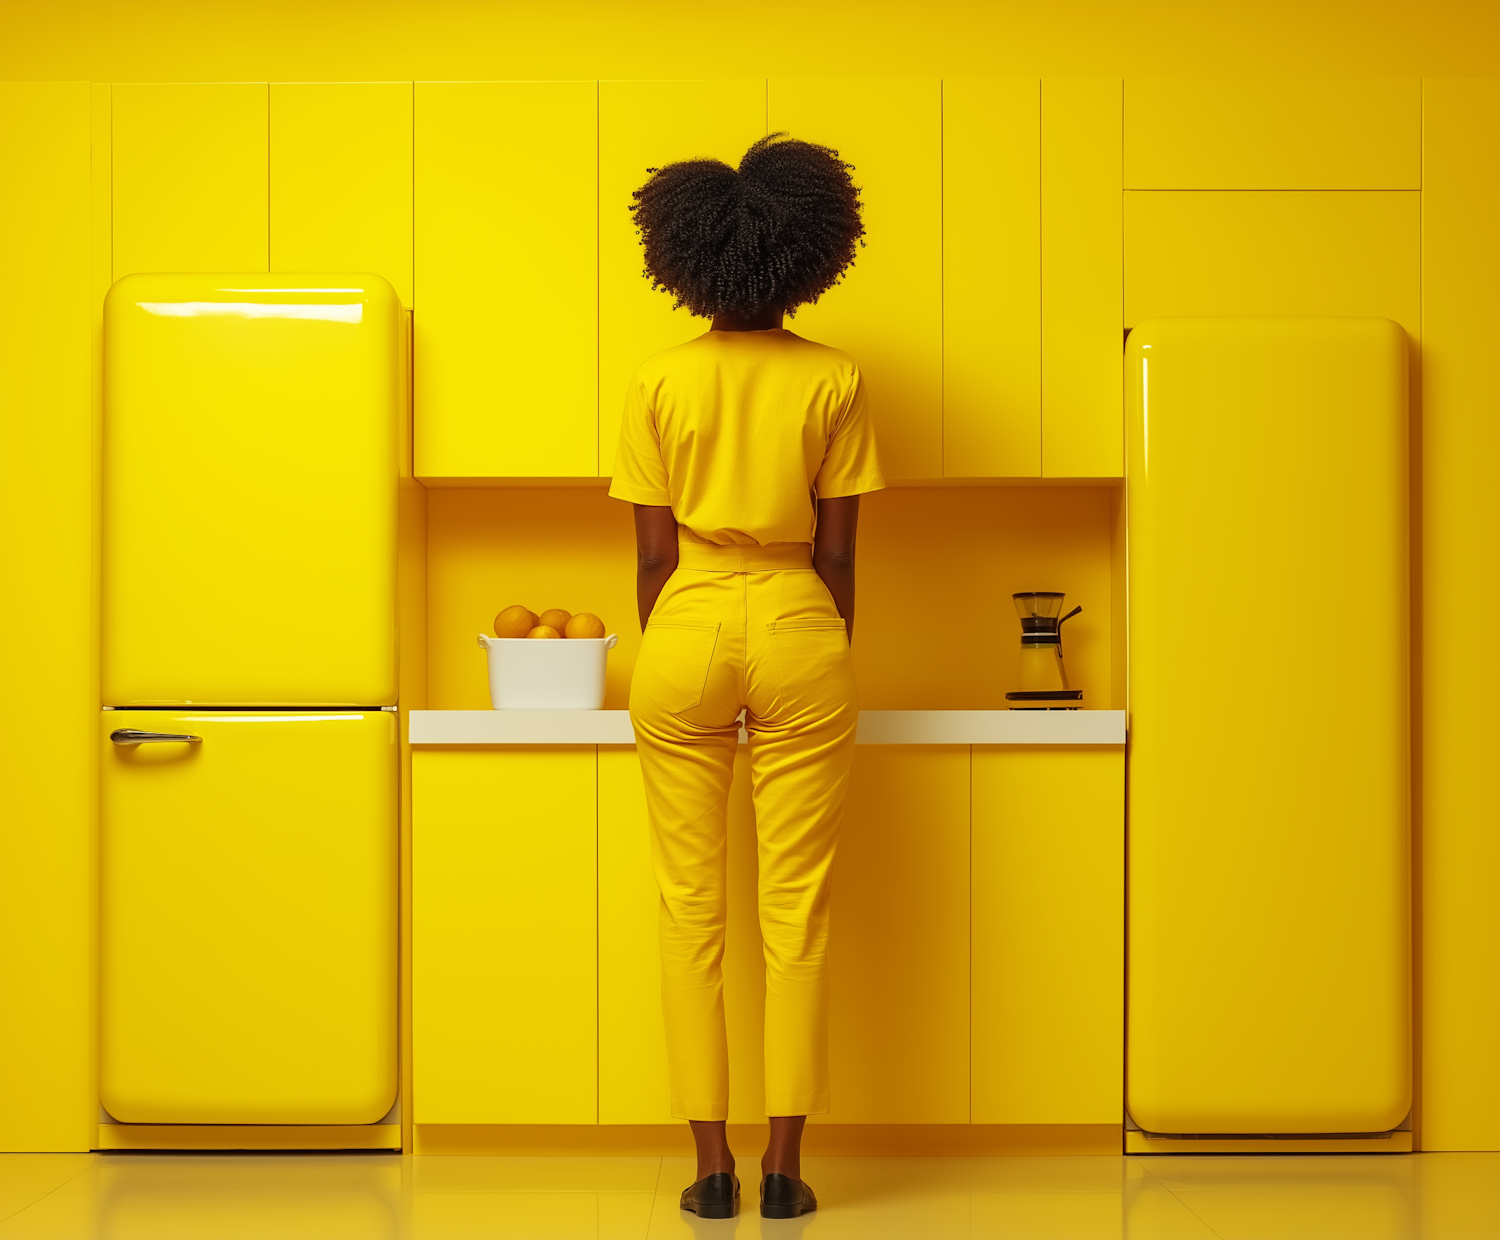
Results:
x,y
837,572
650,576
833,552
655,555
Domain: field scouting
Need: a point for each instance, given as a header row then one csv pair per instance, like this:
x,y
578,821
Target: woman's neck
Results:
x,y
761,321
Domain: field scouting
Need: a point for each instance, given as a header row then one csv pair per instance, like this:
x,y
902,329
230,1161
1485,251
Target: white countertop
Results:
x,y
876,727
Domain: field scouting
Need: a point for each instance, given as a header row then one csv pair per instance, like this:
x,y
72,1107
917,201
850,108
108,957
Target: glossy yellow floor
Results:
x,y
387,1197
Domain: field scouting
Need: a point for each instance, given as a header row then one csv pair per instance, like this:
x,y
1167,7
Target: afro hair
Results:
x,y
775,234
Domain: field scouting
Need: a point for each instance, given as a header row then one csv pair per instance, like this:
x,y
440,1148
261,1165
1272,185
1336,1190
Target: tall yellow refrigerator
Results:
x,y
248,841
1269,923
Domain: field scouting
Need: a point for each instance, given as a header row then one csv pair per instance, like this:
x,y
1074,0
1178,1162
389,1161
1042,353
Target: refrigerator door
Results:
x,y
1269,921
248,917
250,467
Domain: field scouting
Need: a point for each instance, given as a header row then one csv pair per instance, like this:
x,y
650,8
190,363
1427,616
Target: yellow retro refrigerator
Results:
x,y
1269,919
248,667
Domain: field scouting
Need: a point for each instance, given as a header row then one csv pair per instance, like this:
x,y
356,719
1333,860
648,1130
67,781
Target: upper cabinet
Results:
x,y
1273,134
644,125
189,180
341,179
506,317
888,312
984,307
1341,233
992,278
1313,253
1082,286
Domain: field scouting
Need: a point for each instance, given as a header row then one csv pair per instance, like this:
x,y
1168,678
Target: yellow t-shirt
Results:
x,y
740,432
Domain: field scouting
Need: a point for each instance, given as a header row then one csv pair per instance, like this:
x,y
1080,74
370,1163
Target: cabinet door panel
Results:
x,y
632,1047
506,276
1228,254
1280,133
888,312
1082,430
248,919
899,954
190,178
1048,943
992,293
341,179
646,125
1460,785
48,303
504,936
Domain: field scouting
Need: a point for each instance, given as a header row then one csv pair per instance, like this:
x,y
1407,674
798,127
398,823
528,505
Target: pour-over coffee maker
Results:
x,y
1044,680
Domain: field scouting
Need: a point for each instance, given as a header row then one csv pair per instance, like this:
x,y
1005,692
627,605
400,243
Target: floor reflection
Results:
x,y
388,1197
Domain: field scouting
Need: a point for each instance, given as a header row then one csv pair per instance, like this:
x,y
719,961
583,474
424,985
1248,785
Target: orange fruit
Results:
x,y
585,624
514,621
544,630
556,618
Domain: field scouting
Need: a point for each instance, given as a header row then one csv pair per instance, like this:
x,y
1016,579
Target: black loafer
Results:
x,y
714,1196
783,1197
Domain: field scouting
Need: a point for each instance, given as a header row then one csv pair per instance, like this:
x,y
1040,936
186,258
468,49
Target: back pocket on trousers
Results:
x,y
672,668
813,662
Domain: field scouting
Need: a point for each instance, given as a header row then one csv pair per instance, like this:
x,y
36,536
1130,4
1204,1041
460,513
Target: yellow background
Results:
x,y
104,197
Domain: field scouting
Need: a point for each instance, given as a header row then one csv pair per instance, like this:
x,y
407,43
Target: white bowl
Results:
x,y
564,673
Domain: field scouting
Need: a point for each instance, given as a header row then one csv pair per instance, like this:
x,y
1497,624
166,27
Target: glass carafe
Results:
x,y
1043,677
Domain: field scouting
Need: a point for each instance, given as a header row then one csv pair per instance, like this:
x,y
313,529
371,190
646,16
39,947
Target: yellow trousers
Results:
x,y
750,628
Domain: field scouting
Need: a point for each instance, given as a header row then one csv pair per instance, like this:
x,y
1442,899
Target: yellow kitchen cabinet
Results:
x,y
47,532
899,954
1269,877
1048,944
190,178
1224,253
341,179
247,917
249,557
506,318
992,278
888,311
504,924
645,125
1273,133
1082,436
1460,788
632,1047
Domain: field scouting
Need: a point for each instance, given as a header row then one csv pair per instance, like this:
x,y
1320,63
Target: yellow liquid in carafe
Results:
x,y
1042,669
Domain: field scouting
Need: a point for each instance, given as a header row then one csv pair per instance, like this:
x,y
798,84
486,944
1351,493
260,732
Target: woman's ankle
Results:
x,y
712,1144
784,1150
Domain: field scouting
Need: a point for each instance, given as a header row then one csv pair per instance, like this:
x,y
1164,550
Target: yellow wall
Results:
x,y
1091,51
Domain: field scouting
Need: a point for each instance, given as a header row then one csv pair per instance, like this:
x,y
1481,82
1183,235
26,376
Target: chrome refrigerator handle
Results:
x,y
130,736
